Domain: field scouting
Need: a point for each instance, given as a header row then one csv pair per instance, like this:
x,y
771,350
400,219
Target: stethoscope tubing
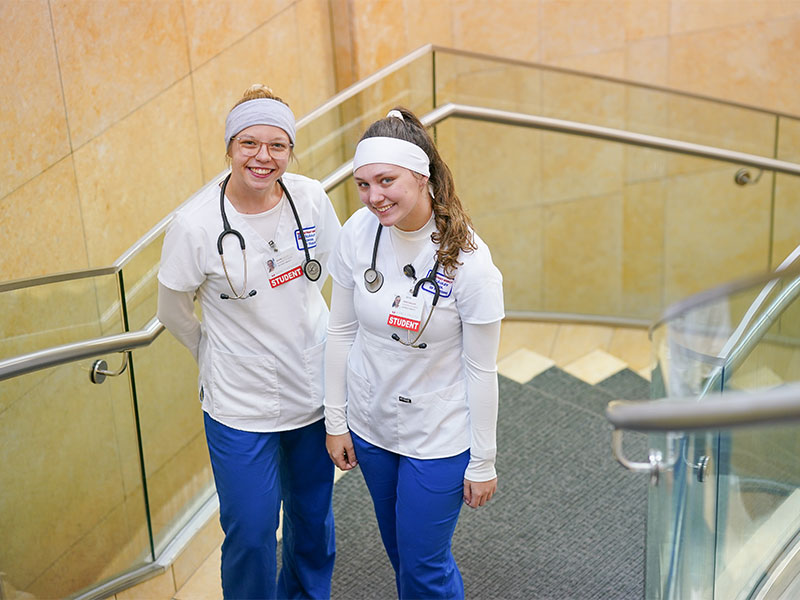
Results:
x,y
311,267
373,280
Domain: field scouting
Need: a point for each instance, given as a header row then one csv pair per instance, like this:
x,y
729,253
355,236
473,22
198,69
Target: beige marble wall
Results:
x,y
668,209
113,112
95,79
692,45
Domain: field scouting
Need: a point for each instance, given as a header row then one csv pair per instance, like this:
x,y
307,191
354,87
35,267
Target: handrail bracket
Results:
x,y
653,467
100,370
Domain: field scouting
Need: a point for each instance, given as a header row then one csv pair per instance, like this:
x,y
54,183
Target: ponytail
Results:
x,y
453,226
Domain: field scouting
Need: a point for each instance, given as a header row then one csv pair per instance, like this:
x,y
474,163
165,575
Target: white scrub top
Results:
x,y
412,401
261,358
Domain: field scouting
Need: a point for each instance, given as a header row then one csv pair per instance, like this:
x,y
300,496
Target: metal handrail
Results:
x,y
681,307
748,341
360,86
505,117
18,284
608,78
79,350
59,355
611,134
129,341
713,412
728,411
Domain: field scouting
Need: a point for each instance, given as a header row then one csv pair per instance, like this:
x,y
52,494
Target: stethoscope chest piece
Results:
x,y
312,269
373,280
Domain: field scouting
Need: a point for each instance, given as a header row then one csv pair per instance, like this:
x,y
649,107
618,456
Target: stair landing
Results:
x,y
591,353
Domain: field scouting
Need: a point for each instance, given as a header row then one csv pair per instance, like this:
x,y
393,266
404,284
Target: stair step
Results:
x,y
523,365
595,366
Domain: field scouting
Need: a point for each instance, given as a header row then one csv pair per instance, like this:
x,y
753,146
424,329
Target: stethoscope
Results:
x,y
311,267
373,281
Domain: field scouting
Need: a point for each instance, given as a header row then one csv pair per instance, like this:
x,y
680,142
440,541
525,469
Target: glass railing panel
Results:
x,y
51,314
574,227
719,538
712,123
587,98
787,191
682,509
788,139
328,140
759,474
758,504
173,439
72,508
730,497
486,82
786,214
140,278
680,543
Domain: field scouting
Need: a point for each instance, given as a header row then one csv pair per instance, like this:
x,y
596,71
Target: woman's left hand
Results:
x,y
478,493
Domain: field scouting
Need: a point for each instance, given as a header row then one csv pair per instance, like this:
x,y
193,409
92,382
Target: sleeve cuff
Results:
x,y
480,470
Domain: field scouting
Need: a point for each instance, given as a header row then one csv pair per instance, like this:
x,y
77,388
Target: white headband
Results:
x,y
259,111
392,151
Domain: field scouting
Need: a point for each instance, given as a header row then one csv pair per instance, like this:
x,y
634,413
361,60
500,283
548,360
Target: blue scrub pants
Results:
x,y
253,472
417,503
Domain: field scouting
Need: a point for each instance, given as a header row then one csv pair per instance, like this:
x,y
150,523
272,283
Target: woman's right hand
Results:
x,y
340,449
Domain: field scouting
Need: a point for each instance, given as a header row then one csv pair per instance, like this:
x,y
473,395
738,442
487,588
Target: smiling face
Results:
x,y
257,174
397,196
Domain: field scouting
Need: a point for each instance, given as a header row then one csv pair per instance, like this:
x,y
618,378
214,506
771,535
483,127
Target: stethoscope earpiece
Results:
x,y
250,294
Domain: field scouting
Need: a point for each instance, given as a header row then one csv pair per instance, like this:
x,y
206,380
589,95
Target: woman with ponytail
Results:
x,y
411,389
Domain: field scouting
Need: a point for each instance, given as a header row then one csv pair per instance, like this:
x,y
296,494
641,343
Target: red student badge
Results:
x,y
285,277
406,312
282,268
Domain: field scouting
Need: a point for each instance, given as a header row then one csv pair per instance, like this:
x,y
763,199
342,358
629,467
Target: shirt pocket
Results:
x,y
435,423
244,386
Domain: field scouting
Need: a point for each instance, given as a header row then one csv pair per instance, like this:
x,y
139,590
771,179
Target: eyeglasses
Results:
x,y
251,146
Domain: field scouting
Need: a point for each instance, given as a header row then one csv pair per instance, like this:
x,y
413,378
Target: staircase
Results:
x,y
567,521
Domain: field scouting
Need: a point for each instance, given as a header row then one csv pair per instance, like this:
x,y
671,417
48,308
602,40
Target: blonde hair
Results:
x,y
258,90
453,226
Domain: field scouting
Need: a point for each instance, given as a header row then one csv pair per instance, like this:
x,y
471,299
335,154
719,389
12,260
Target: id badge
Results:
x,y
282,268
406,312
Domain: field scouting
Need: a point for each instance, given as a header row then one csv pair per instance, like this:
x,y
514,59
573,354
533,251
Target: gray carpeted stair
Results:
x,y
567,521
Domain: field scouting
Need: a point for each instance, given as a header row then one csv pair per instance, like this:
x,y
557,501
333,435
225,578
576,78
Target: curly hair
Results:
x,y
453,226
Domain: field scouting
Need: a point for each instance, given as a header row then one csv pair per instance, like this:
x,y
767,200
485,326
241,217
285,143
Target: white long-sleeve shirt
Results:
x,y
424,403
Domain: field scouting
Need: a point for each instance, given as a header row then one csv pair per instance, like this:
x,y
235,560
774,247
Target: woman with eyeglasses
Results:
x,y
252,249
411,386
